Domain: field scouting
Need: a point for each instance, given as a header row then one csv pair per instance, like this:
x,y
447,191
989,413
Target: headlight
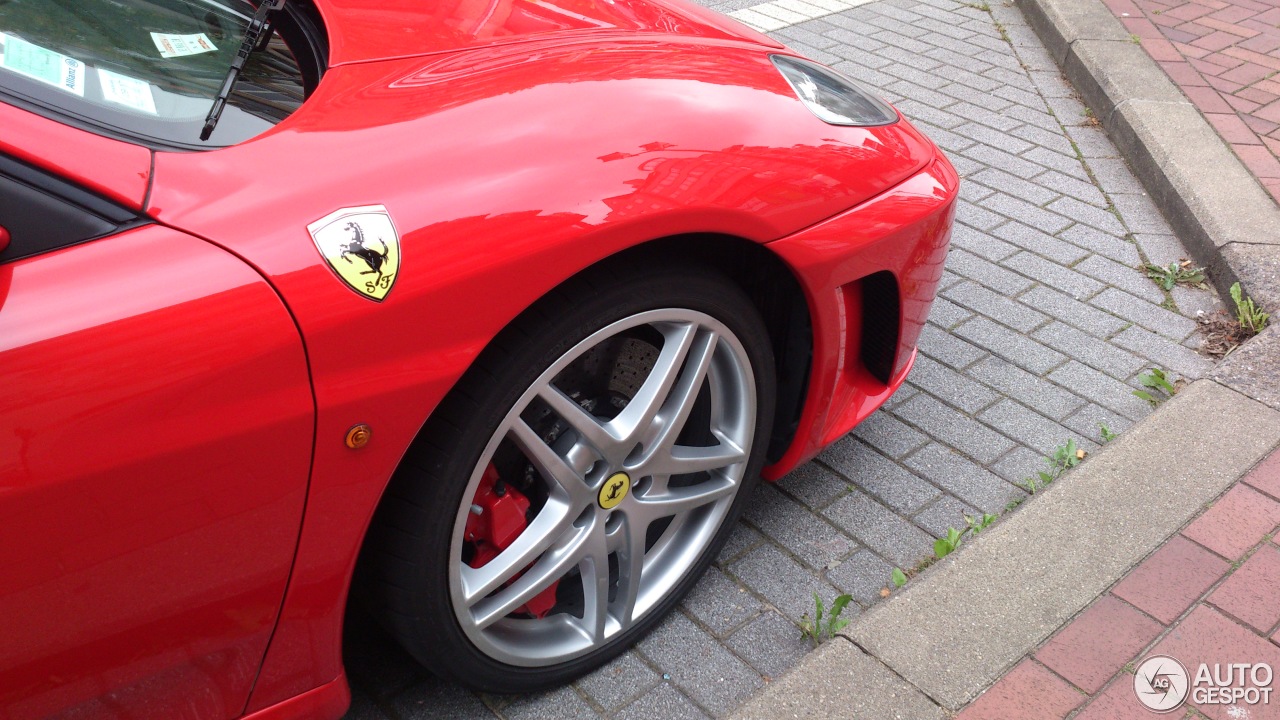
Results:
x,y
832,98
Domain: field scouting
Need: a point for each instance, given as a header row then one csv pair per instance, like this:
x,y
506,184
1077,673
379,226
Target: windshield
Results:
x,y
150,69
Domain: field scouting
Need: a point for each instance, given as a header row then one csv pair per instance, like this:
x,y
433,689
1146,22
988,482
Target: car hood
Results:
x,y
364,30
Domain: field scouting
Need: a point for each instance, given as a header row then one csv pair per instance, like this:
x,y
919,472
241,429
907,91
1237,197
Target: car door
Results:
x,y
156,427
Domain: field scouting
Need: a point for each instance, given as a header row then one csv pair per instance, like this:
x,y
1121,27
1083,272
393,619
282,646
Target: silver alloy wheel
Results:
x,y
572,537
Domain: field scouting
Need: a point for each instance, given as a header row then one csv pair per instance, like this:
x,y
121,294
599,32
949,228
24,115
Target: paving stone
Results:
x,y
945,313
960,477
1106,244
1140,213
698,665
1088,419
978,242
947,347
947,512
863,576
1026,213
665,702
615,684
1092,141
814,485
1072,312
1160,249
437,700
1114,176
1095,645
956,429
1019,464
1168,582
995,306
1028,692
989,274
889,435
991,157
1121,276
1040,243
878,528
876,474
1012,346
719,603
741,539
1101,389
1065,164
771,644
1090,350
791,525
1054,275
1235,522
1027,427
1266,476
1250,593
949,385
780,580
1088,214
1151,317
1165,353
560,704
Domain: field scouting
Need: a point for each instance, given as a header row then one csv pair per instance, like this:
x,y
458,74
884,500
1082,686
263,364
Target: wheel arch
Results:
x,y
770,284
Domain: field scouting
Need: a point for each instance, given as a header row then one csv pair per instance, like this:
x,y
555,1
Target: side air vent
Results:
x,y
881,319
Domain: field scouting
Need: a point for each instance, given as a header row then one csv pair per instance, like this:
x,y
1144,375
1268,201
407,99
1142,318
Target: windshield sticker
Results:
x,y
44,65
133,93
171,46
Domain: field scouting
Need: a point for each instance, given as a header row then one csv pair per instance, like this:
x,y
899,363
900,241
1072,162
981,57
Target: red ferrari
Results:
x,y
486,314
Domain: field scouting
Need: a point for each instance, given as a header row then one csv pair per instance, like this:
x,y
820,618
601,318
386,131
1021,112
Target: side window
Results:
x,y
41,212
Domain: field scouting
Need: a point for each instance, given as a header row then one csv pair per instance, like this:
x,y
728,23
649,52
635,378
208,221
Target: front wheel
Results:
x,y
578,481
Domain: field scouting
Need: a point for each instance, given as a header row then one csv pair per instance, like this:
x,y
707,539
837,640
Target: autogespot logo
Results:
x,y
1161,683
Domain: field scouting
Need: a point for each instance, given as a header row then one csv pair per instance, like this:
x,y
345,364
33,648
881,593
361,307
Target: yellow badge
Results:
x,y
362,247
614,490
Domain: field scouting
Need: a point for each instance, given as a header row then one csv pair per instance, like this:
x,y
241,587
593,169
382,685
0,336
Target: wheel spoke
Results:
x,y
680,500
630,569
686,460
594,569
545,529
592,431
683,395
548,462
639,414
550,567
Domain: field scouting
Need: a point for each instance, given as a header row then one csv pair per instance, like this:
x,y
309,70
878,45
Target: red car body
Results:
x,y
179,515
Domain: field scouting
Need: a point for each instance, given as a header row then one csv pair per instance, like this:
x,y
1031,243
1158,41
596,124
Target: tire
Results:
x,y
664,376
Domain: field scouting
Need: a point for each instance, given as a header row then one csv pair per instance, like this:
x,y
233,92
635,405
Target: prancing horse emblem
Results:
x,y
361,246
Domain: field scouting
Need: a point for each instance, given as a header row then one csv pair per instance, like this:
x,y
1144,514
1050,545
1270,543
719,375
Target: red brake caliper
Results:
x,y
497,518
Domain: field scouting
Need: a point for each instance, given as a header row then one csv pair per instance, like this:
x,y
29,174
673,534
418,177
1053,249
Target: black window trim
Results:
x,y
119,217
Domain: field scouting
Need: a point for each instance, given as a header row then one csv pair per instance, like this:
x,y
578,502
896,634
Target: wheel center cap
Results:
x,y
614,490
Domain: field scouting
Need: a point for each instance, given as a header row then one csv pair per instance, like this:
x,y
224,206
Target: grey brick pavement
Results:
x,y
1042,325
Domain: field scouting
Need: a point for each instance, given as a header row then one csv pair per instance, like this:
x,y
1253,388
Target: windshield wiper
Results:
x,y
252,36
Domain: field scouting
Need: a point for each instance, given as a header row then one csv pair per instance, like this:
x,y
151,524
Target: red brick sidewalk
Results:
x,y
1223,54
1210,594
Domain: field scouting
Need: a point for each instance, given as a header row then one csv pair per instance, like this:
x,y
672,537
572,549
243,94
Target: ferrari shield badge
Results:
x,y
362,247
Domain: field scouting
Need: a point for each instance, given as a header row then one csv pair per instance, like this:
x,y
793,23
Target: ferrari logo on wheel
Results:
x,y
362,247
614,490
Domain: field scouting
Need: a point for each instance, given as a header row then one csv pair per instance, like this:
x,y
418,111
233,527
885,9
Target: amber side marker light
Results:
x,y
358,436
